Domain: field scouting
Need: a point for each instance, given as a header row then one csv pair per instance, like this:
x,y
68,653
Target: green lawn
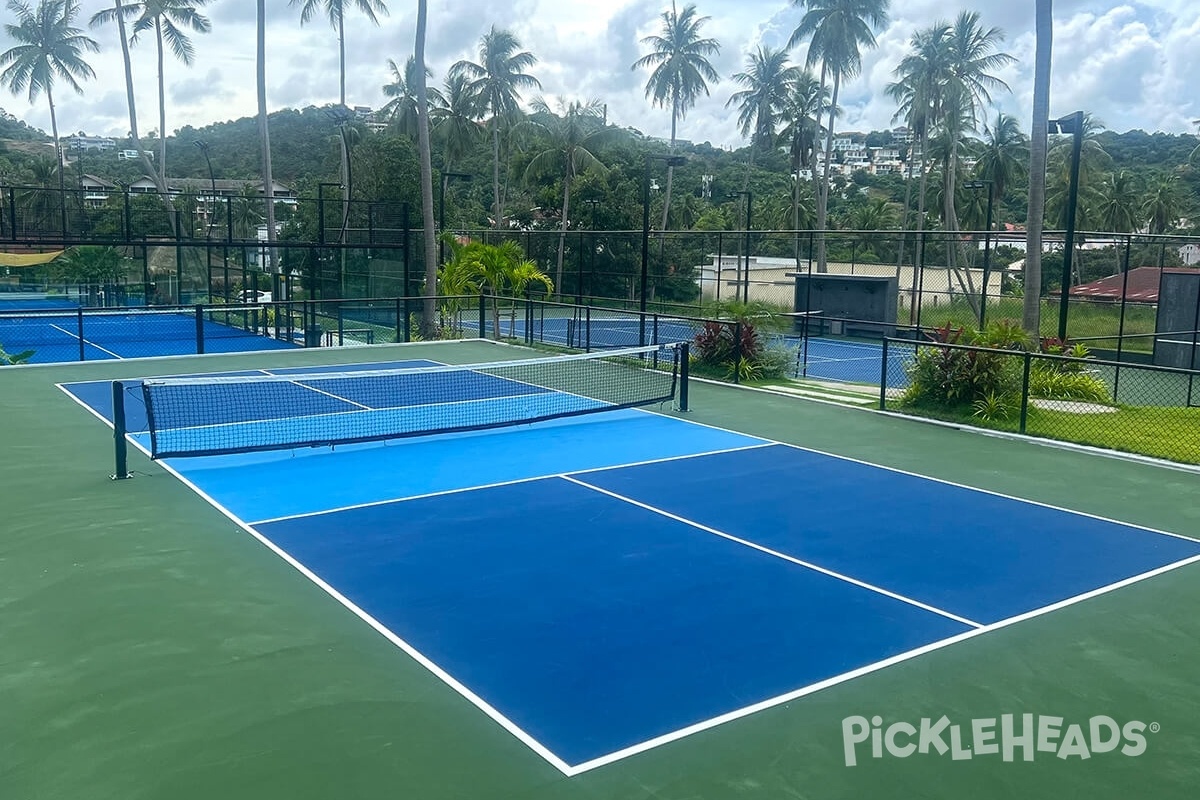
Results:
x,y
1168,433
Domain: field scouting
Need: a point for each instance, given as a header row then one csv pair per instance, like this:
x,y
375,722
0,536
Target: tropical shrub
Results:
x,y
948,376
8,359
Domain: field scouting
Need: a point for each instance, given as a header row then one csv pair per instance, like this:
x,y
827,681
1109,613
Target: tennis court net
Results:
x,y
238,414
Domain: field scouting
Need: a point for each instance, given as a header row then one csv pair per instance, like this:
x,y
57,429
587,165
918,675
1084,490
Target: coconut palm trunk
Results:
x,y
58,160
160,183
496,169
1044,30
562,232
823,187
264,133
162,107
429,230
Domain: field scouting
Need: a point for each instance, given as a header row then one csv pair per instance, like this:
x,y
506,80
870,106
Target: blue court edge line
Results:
x,y
784,556
540,477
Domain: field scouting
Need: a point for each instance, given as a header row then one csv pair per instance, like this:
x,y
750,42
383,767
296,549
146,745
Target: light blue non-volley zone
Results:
x,y
821,358
106,335
609,583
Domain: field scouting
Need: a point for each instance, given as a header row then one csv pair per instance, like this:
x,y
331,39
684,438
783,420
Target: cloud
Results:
x,y
1132,64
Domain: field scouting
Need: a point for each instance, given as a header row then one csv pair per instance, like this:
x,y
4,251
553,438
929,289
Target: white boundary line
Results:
x,y
572,770
78,338
869,668
498,484
379,627
245,353
926,477
784,556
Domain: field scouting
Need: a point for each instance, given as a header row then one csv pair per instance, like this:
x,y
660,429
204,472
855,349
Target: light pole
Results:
x,y
987,243
446,176
212,180
321,210
1072,124
671,161
341,115
749,195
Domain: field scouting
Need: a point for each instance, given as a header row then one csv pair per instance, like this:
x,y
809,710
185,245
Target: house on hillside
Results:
x,y
95,190
1190,254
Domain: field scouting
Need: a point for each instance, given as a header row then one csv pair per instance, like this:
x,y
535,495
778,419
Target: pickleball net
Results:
x,y
214,415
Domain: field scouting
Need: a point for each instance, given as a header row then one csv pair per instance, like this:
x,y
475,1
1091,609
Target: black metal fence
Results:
x,y
194,250
1151,410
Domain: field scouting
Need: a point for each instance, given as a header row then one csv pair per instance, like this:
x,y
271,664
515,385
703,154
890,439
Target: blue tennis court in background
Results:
x,y
54,331
822,358
594,584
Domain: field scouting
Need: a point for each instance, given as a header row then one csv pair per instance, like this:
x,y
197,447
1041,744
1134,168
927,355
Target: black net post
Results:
x,y
120,446
684,374
199,329
401,319
79,331
482,316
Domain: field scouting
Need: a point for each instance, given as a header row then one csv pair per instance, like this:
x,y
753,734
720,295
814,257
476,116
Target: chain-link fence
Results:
x,y
1136,408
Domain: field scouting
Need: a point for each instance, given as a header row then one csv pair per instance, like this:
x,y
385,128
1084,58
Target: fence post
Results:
x,y
685,367
737,352
1025,391
883,376
79,330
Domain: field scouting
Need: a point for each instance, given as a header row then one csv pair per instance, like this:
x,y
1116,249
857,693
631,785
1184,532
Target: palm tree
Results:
x,y
455,116
838,30
681,72
806,103
762,104
973,55
1005,151
119,14
48,46
335,10
1044,32
1163,204
496,83
571,133
1119,208
264,131
521,274
429,228
918,95
167,18
401,110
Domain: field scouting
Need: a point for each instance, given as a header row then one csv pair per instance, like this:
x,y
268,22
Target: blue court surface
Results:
x,y
105,335
596,586
821,358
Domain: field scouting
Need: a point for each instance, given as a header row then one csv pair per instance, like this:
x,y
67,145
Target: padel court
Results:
x,y
56,335
600,584
823,358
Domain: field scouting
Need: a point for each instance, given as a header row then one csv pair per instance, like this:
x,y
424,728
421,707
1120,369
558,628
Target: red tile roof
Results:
x,y
1141,286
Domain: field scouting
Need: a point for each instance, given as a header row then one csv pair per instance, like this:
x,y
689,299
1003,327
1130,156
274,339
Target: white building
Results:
x,y
83,142
1190,253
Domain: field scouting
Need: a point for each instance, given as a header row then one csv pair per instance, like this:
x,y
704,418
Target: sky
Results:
x,y
1132,65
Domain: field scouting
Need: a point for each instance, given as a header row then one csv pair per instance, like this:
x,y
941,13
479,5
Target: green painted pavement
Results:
x,y
152,649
